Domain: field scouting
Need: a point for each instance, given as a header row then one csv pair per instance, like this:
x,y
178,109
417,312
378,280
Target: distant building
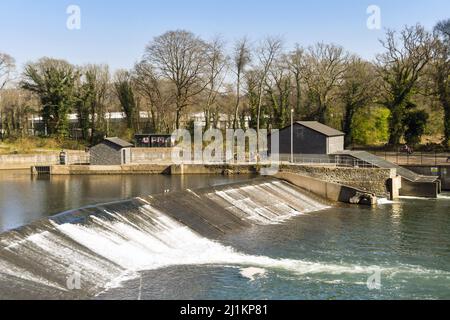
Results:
x,y
111,151
311,137
154,141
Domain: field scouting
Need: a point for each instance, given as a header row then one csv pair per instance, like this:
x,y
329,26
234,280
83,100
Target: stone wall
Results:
x,y
371,180
105,154
328,190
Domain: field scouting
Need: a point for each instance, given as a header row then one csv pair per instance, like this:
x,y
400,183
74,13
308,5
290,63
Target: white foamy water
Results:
x,y
383,201
253,273
128,238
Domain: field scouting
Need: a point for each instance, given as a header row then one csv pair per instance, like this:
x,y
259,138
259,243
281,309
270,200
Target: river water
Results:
x,y
24,199
314,252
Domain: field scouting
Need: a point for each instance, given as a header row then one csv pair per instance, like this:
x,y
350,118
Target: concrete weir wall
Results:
x,y
372,180
328,190
441,171
110,170
213,169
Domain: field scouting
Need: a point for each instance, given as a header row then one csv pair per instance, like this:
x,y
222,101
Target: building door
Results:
x,y
126,156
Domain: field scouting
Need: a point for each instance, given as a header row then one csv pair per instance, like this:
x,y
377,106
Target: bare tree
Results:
x,y
7,66
268,51
17,106
215,72
158,94
241,58
295,63
179,56
93,92
324,67
407,54
278,89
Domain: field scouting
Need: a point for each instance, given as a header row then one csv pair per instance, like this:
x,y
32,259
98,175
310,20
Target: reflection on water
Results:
x,y
24,199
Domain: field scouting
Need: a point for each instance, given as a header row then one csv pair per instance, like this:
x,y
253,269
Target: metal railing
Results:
x,y
416,158
337,161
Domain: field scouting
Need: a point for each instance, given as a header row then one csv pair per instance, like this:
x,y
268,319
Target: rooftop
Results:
x,y
119,142
321,128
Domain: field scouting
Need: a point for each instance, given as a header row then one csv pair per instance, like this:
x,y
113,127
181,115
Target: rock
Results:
x,y
363,199
227,172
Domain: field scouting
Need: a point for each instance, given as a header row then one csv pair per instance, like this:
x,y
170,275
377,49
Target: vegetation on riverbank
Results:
x,y
36,145
399,97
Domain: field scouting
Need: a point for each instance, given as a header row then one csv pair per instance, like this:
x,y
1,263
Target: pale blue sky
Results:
x,y
116,31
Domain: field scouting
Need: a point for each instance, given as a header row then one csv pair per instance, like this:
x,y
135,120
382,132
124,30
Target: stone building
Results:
x,y
311,137
111,151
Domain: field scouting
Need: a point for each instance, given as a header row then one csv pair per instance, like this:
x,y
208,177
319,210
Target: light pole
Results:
x,y
292,135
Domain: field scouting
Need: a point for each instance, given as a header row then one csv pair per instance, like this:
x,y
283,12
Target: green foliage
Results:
x,y
125,93
415,122
54,81
371,126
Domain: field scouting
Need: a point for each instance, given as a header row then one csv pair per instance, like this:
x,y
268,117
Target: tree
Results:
x,y
441,73
356,92
17,107
267,53
215,73
7,67
324,68
400,67
179,56
125,93
415,122
157,93
241,58
279,88
54,82
296,65
98,83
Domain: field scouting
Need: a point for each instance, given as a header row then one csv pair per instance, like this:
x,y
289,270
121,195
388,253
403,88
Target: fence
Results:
x,y
416,158
333,161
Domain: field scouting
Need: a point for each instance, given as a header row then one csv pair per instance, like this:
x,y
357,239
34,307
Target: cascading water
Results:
x,y
108,244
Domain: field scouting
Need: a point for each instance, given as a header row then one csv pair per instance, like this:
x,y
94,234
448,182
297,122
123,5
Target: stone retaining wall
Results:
x,y
328,190
372,180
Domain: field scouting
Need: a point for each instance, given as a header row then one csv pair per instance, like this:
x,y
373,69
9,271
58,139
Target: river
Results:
x,y
316,251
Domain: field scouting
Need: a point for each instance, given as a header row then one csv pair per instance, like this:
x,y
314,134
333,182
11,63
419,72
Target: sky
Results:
x,y
116,32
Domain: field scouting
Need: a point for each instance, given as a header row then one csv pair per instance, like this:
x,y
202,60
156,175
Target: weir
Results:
x,y
106,244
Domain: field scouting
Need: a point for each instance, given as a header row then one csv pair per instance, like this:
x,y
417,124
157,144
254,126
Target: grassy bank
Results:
x,y
35,145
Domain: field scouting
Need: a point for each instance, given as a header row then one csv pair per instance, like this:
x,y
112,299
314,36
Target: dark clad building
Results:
x,y
111,151
154,141
311,137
